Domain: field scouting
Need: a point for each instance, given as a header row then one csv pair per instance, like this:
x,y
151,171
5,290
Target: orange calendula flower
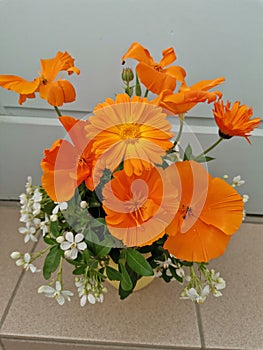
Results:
x,y
65,166
130,130
56,92
210,212
154,75
235,121
138,208
188,97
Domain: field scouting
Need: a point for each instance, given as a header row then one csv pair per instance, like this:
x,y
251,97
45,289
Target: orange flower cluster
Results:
x,y
145,198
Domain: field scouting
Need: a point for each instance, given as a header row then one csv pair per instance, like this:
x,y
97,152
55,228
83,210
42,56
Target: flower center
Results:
x,y
158,67
130,132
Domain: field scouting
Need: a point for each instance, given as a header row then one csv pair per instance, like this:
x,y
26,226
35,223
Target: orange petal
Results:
x,y
52,66
57,92
58,185
168,57
153,80
18,84
200,244
22,98
139,53
223,208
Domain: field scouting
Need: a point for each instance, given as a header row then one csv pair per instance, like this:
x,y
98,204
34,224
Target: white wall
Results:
x,y
211,38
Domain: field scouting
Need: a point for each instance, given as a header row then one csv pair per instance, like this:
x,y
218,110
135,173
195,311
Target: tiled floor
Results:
x,y
153,318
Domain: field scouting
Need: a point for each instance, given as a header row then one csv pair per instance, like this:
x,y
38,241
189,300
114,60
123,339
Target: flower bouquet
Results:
x,y
120,199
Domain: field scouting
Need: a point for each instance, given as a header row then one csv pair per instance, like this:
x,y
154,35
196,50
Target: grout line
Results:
x,y
200,325
99,345
10,301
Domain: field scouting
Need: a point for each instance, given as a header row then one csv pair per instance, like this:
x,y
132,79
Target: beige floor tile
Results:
x,y
154,315
235,321
10,240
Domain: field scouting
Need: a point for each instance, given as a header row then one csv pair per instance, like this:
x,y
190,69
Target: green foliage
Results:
x,y
138,263
52,261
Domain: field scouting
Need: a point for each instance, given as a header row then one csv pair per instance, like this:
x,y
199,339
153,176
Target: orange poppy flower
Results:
x,y
210,212
130,130
56,92
234,121
65,166
138,208
154,75
188,97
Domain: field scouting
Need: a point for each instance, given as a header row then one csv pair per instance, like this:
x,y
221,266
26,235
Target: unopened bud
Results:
x,y
83,204
60,239
15,255
127,75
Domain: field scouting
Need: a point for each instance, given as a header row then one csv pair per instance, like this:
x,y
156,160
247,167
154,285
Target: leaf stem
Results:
x,y
146,93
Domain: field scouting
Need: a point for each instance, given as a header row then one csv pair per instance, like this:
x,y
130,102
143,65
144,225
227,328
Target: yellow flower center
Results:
x,y
130,132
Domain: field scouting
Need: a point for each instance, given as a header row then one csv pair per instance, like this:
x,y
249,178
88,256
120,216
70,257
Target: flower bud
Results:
x,y
15,255
60,239
127,75
83,204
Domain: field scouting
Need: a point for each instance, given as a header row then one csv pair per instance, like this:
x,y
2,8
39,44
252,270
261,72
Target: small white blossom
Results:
x,y
90,290
245,198
29,187
194,295
60,206
44,225
26,263
28,232
56,293
72,245
237,181
83,204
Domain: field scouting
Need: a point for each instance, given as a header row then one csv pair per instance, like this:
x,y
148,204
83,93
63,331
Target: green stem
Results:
x,y
58,111
39,254
146,93
179,132
210,148
59,274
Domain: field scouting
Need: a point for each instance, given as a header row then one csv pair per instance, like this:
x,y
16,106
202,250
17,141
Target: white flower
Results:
x,y
57,293
36,206
29,187
72,245
28,232
237,181
26,263
44,225
245,198
53,217
193,295
60,207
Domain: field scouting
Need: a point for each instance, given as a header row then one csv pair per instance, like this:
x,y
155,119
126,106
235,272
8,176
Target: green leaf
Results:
x,y
101,250
204,159
188,153
112,274
54,228
79,270
126,282
50,241
138,263
52,261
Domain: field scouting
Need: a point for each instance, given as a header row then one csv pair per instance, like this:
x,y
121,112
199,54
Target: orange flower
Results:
x,y
130,130
154,75
210,212
65,166
235,121
188,97
56,92
138,208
